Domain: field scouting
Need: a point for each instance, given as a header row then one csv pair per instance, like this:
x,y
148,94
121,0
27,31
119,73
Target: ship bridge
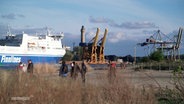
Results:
x,y
12,40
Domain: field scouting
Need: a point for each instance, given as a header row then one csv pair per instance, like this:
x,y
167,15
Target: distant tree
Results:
x,y
77,51
182,57
128,58
68,56
111,57
145,59
157,55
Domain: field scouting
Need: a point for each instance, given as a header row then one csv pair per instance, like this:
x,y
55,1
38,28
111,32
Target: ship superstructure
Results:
x,y
23,47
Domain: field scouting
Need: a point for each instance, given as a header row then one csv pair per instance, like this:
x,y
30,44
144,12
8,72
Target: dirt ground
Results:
x,y
142,78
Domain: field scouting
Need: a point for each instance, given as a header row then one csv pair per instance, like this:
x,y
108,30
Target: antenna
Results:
x,y
9,32
48,31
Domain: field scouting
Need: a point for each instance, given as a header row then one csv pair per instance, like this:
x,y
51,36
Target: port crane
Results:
x,y
93,51
173,50
101,47
160,41
92,48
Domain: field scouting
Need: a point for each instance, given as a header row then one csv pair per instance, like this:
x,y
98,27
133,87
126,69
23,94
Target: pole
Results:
x,y
135,55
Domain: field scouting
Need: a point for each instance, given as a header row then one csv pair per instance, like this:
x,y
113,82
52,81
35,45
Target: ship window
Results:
x,y
12,40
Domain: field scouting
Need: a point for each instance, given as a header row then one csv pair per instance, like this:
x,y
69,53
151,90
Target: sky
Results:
x,y
128,21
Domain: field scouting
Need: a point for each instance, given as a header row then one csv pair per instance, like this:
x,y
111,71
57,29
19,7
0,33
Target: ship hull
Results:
x,y
12,60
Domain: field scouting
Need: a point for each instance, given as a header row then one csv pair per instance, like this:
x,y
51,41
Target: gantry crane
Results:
x,y
178,41
100,50
171,45
175,48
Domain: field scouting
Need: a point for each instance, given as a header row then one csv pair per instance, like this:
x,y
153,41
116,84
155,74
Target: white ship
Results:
x,y
23,47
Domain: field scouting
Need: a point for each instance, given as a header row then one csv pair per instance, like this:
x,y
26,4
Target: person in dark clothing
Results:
x,y
63,70
72,69
83,71
30,67
76,71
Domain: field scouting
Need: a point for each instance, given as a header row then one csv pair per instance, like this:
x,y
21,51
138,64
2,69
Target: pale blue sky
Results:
x,y
126,20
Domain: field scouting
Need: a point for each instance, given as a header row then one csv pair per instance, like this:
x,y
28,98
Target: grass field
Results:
x,y
46,87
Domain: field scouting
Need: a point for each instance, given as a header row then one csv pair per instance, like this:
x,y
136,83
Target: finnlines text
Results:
x,y
10,59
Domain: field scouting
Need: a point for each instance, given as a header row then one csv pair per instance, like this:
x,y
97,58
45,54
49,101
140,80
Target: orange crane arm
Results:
x,y
104,39
96,37
94,48
102,44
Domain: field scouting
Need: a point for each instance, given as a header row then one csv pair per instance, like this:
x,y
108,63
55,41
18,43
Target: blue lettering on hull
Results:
x,y
13,60
10,59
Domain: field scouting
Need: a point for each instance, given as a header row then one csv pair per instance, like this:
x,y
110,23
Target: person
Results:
x,y
30,67
112,71
76,71
72,69
83,71
20,71
63,69
24,69
20,66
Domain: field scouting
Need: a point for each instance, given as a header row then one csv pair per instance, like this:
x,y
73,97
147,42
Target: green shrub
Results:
x,y
157,56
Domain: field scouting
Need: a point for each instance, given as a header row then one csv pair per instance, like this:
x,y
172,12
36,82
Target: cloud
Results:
x,y
99,20
12,16
135,25
123,25
21,15
71,36
148,31
9,16
38,31
28,30
3,30
114,37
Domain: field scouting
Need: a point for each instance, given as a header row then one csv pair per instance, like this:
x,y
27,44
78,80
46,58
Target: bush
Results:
x,y
157,56
145,59
68,56
175,95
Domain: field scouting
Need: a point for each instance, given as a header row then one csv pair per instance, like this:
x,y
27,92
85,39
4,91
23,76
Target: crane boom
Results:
x,y
94,48
179,38
102,44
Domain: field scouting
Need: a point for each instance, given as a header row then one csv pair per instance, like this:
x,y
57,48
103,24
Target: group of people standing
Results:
x,y
75,69
22,68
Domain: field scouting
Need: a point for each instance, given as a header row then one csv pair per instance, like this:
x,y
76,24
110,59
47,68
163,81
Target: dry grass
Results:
x,y
89,68
44,68
57,90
